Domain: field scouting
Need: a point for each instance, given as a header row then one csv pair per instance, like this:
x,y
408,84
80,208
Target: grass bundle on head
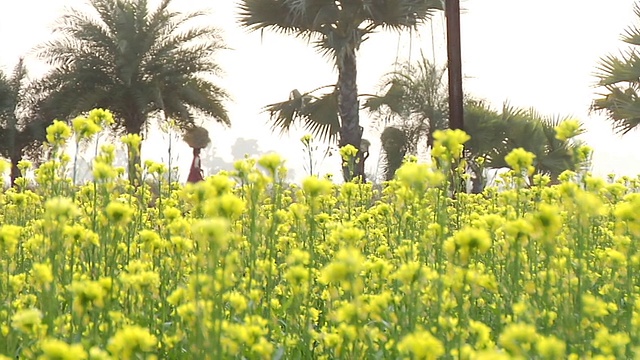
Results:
x,y
197,137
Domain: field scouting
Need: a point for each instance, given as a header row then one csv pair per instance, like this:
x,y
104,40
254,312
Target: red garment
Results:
x,y
195,173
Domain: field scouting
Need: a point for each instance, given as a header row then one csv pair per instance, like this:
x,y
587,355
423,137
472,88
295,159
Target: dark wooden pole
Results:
x,y
456,114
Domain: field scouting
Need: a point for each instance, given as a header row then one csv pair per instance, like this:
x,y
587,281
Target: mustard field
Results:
x,y
244,266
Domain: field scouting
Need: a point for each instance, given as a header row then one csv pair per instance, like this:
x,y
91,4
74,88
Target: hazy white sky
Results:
x,y
539,54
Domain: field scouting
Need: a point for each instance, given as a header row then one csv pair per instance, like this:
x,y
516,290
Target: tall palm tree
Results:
x,y
619,77
135,61
338,27
21,132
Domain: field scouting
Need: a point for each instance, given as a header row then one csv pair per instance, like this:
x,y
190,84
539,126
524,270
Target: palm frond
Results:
x,y
619,77
287,16
399,14
318,114
632,34
622,107
614,69
392,99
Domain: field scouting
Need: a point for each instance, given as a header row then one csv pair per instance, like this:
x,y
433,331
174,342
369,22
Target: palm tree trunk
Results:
x,y
477,183
350,129
15,171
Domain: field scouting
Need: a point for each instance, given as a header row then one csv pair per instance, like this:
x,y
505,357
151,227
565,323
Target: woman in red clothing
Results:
x,y
195,173
197,138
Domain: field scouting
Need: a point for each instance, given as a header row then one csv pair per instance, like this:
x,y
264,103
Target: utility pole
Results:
x,y
456,113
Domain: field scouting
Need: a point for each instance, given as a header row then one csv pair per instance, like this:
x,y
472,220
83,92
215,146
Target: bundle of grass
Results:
x,y
197,137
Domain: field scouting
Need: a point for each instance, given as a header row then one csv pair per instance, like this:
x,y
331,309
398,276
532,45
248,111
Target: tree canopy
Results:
x,y
136,62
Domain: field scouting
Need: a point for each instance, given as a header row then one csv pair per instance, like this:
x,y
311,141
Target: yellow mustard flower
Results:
x,y
518,339
611,343
214,231
119,213
84,128
418,177
61,209
228,206
26,320
54,349
133,142
155,168
520,160
547,221
42,274
467,241
314,186
271,162
347,264
101,117
58,133
130,341
410,273
421,345
9,236
348,152
550,347
347,235
297,275
568,129
87,293
450,142
95,353
237,301
103,172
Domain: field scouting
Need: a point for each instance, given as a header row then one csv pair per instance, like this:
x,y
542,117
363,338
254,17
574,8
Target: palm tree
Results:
x,y
21,132
338,27
619,76
536,133
136,62
413,101
416,97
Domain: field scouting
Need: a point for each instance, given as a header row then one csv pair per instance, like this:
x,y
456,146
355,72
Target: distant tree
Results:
x,y
414,97
528,129
21,131
136,62
244,147
494,135
619,78
339,27
414,103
